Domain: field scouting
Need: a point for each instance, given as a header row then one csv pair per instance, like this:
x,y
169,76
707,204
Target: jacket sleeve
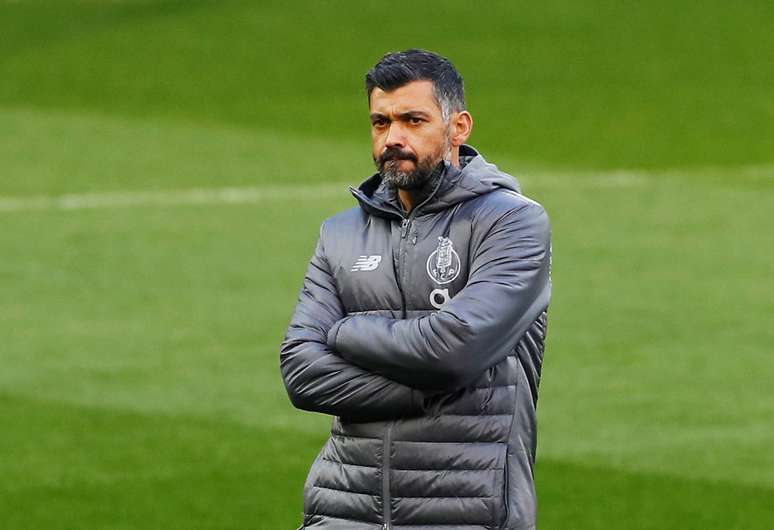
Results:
x,y
508,287
316,378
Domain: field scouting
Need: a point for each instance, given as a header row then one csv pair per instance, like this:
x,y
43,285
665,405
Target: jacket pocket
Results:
x,y
504,520
500,495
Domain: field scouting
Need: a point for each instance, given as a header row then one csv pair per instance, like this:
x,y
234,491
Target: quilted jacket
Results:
x,y
423,335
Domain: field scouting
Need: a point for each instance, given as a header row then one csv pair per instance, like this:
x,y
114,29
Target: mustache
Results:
x,y
395,153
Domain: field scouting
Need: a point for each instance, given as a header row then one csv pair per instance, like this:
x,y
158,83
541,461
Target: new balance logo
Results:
x,y
366,263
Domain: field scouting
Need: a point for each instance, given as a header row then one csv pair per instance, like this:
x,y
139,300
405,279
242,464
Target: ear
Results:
x,y
461,127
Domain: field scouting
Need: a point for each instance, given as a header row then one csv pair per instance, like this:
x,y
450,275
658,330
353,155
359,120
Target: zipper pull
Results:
x,y
404,228
414,239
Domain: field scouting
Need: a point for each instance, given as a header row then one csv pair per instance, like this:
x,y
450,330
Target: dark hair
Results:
x,y
400,68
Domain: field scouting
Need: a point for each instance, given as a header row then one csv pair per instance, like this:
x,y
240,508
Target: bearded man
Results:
x,y
421,325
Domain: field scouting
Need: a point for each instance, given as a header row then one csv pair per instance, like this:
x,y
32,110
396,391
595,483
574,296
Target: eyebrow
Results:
x,y
403,115
414,114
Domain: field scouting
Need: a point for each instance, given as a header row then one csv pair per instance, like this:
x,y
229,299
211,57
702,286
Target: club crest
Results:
x,y
443,265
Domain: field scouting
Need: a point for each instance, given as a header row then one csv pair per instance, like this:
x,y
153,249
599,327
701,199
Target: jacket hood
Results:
x,y
474,177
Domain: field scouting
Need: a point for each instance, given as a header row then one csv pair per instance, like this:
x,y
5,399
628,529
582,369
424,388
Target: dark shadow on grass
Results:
x,y
67,466
28,25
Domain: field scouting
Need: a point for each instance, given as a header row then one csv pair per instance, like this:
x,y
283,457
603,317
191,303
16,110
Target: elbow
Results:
x,y
300,400
295,386
299,395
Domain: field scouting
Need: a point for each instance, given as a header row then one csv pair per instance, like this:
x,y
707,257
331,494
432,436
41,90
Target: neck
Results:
x,y
407,199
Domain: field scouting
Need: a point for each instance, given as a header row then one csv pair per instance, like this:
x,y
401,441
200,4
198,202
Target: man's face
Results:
x,y
409,135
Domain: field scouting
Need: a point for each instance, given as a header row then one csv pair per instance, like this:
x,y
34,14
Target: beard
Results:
x,y
388,165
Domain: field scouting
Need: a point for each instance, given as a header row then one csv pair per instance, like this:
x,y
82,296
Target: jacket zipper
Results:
x,y
386,499
405,226
505,490
386,495
404,229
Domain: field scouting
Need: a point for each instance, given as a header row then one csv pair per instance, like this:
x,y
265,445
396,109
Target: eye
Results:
x,y
415,120
379,123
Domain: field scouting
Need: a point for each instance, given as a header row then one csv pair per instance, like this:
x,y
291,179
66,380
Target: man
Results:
x,y
421,325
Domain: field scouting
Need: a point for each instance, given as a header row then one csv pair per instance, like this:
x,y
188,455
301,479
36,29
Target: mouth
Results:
x,y
396,156
401,165
397,161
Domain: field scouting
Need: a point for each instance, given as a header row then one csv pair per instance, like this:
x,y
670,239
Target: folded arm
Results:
x,y
508,287
316,378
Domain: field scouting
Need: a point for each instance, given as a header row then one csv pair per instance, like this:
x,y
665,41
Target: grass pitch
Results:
x,y
140,385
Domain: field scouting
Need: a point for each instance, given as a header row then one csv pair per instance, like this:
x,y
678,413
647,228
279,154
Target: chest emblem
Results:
x,y
443,265
366,263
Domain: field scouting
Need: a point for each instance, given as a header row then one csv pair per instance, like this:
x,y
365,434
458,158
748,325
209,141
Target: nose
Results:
x,y
395,137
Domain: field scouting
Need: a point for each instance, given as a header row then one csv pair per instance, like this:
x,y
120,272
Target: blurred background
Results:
x,y
165,167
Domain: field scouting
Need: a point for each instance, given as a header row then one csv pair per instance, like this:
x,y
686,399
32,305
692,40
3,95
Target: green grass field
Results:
x,y
165,166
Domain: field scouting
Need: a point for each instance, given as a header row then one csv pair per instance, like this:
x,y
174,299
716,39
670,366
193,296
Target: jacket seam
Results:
x,y
451,442
473,415
354,436
447,470
331,516
347,464
446,497
458,442
351,492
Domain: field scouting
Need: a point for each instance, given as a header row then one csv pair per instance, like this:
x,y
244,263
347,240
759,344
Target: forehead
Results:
x,y
416,95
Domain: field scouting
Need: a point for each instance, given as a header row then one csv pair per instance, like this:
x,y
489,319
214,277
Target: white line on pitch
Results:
x,y
289,192
195,196
243,195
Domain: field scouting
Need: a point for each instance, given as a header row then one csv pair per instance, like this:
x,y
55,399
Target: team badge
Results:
x,y
443,265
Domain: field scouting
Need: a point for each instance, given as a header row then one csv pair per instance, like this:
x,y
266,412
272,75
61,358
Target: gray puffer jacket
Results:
x,y
423,335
